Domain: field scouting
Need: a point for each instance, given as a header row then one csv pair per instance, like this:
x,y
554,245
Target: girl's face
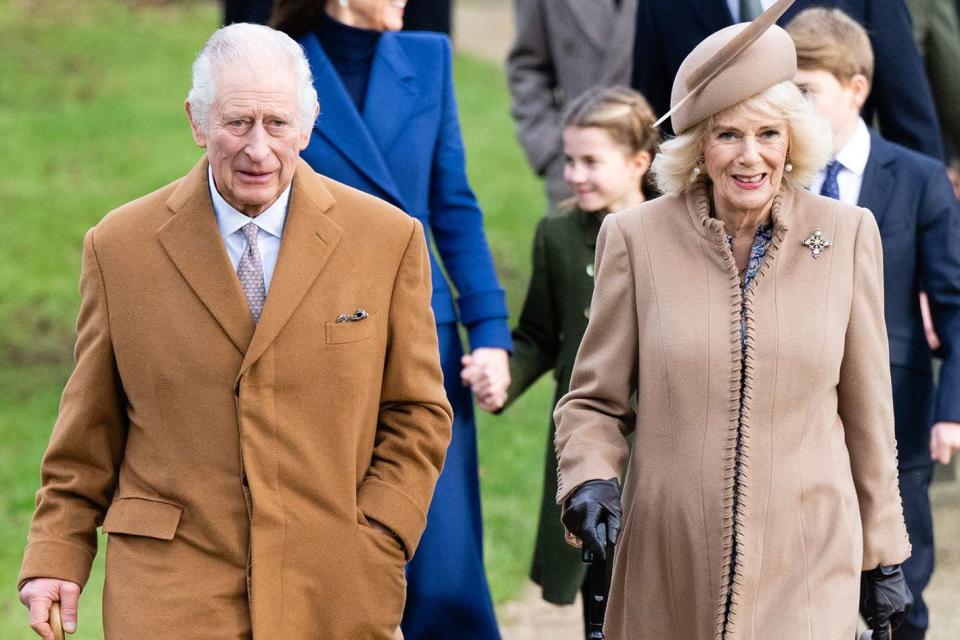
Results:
x,y
377,15
601,174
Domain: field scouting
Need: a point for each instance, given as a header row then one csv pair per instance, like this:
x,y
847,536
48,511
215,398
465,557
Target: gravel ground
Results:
x,y
485,28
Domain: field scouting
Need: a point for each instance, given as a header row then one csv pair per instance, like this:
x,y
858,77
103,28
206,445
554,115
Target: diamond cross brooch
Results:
x,y
816,242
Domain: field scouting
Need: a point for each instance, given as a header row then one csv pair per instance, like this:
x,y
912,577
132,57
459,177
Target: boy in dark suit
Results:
x,y
919,220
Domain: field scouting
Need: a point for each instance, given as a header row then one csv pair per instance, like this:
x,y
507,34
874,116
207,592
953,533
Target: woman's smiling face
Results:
x,y
744,155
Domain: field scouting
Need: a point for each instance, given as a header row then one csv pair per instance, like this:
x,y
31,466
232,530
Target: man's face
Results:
x,y
839,103
253,136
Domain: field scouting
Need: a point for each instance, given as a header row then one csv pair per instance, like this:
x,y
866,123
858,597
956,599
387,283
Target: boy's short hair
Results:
x,y
830,40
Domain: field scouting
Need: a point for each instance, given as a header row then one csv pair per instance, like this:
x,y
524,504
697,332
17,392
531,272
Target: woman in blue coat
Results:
x,y
389,126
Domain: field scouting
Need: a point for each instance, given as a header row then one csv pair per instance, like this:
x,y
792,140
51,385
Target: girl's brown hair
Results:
x,y
625,115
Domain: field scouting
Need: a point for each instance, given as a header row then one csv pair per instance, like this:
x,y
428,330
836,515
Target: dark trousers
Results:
x,y
914,490
913,415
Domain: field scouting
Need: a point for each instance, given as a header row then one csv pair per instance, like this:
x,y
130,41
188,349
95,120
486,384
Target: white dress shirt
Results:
x,y
270,231
853,160
735,8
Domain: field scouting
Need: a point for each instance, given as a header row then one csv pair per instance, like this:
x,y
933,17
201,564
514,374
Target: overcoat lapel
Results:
x,y
309,238
340,123
587,13
878,179
192,240
391,94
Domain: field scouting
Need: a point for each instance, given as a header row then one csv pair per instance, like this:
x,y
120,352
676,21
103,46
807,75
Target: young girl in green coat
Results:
x,y
609,142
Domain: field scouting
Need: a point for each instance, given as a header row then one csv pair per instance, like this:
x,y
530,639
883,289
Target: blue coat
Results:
x,y
668,31
919,220
406,148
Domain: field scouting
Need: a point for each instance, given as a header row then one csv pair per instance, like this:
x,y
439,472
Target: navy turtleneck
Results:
x,y
351,52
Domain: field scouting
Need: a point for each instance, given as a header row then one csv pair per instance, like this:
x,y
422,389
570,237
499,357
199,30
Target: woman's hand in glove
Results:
x,y
884,599
593,502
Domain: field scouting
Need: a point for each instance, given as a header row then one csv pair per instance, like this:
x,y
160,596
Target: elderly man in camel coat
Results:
x,y
257,416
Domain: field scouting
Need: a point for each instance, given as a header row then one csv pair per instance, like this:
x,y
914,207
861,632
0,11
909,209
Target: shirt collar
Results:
x,y
230,220
854,155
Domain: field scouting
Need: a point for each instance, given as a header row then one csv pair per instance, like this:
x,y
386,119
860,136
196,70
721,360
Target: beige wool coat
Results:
x,y
818,495
235,466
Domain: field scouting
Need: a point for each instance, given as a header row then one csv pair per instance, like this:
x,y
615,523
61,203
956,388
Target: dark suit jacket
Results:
x,y
406,149
919,221
668,31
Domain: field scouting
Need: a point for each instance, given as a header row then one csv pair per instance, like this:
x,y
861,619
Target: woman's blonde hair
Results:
x,y
624,114
810,143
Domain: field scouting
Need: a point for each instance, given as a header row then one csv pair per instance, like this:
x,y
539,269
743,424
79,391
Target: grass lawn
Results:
x,y
91,117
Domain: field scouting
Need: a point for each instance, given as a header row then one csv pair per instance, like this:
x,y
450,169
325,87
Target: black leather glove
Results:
x,y
593,502
884,599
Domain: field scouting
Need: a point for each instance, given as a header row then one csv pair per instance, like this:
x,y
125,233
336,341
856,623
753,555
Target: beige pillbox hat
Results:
x,y
731,65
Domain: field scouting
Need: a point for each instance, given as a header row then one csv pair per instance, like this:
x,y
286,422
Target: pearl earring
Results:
x,y
696,170
789,166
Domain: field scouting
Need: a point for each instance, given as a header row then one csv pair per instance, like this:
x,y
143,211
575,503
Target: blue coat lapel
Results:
x,y
878,179
391,93
340,123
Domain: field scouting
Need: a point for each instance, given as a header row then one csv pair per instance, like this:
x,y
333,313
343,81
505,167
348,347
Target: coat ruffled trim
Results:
x,y
737,453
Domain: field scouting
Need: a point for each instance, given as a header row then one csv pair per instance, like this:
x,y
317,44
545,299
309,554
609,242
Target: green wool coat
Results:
x,y
552,322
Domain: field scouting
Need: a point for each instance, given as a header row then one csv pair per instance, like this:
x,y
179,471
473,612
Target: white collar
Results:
x,y
854,155
230,220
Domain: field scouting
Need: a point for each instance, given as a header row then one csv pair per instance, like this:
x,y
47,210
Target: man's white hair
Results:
x,y
251,45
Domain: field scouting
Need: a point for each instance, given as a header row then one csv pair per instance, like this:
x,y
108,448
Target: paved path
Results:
x,y
484,28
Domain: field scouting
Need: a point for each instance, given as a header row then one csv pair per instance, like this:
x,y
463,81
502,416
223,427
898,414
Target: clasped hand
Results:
x,y
487,372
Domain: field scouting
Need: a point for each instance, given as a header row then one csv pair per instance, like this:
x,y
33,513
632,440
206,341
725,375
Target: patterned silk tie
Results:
x,y
750,9
250,271
830,187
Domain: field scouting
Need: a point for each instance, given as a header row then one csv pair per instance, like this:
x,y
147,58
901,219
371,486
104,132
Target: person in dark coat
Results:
x,y
429,15
563,48
919,220
667,31
389,126
255,11
609,142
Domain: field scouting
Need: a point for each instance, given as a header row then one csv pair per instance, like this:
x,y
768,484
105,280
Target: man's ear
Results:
x,y
198,135
859,87
305,134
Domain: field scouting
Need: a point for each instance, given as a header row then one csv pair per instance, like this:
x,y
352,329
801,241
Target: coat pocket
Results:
x,y
355,331
143,517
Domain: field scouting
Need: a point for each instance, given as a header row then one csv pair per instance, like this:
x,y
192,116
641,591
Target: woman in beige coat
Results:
x,y
745,315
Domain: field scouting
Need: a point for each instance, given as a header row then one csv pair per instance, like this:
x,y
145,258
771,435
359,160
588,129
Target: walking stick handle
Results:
x,y
56,622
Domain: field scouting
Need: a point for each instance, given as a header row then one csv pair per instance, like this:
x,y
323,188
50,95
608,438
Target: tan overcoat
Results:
x,y
818,497
235,465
